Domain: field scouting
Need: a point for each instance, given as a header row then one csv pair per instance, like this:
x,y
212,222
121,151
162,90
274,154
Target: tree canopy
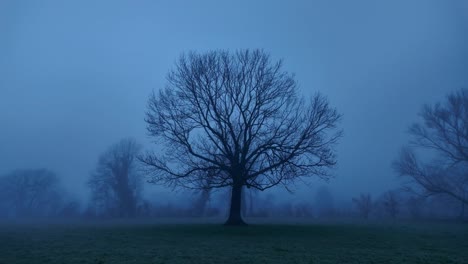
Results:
x,y
236,119
444,132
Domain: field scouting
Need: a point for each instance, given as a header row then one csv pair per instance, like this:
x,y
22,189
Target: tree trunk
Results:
x,y
235,218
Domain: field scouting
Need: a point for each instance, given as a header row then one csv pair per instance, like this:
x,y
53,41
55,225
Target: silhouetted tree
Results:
x,y
444,131
238,119
364,205
30,193
116,183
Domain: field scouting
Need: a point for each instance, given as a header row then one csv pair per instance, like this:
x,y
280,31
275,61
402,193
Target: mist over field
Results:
x,y
337,117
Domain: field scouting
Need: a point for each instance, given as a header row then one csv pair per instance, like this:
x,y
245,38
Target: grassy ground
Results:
x,y
197,243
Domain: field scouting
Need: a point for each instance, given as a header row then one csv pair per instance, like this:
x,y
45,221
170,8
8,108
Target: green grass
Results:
x,y
197,243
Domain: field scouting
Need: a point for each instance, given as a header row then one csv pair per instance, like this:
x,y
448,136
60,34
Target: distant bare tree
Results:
x,y
444,131
30,193
116,183
390,203
364,205
238,119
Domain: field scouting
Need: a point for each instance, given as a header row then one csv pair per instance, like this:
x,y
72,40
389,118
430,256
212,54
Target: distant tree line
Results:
x,y
35,193
39,194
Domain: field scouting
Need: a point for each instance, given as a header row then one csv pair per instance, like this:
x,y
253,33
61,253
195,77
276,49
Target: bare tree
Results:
x,y
444,131
115,184
390,203
31,193
364,205
238,119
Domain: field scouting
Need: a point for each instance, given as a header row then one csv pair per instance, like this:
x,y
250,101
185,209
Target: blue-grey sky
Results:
x,y
75,75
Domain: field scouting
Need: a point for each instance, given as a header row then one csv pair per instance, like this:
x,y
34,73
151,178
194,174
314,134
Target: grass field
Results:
x,y
209,243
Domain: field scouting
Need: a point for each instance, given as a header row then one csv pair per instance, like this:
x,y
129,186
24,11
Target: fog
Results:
x,y
75,76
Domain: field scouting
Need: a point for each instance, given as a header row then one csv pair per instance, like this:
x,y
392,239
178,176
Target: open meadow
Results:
x,y
213,243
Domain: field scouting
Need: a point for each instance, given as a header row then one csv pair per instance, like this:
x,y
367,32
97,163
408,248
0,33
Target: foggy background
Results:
x,y
75,76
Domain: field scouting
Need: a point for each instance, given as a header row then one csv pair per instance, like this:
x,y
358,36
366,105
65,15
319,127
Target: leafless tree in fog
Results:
x,y
115,184
30,193
238,119
443,131
364,205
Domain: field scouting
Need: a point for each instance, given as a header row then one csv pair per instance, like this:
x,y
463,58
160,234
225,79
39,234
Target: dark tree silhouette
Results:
x,y
31,193
115,184
237,118
364,205
444,131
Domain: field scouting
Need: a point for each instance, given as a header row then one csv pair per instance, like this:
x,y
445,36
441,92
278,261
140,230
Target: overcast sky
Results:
x,y
75,75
